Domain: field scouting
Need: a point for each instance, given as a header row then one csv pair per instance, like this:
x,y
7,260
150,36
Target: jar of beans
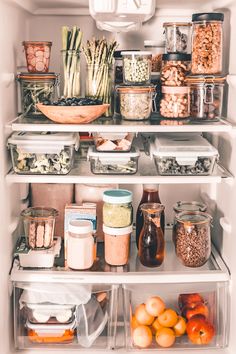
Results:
x,y
175,102
178,37
137,67
206,96
207,43
193,238
175,67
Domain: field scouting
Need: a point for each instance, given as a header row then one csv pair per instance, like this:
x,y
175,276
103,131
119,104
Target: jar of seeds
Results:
x,y
193,238
137,67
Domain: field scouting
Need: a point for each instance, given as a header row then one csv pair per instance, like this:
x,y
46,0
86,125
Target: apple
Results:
x,y
168,318
155,306
199,330
185,299
165,337
180,326
199,309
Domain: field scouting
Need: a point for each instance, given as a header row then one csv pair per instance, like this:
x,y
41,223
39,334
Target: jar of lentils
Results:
x,y
175,67
175,102
192,238
137,67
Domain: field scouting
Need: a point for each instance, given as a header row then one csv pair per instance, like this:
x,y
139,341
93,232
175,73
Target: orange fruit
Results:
x,y
134,323
168,318
155,306
165,337
142,316
142,336
180,326
156,325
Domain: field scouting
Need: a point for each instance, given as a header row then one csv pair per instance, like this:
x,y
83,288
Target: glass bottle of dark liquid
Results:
x,y
150,195
151,240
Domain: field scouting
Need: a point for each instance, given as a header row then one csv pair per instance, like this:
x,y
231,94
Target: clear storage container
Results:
x,y
175,102
37,55
136,102
113,142
206,96
137,67
108,163
193,238
119,65
207,43
40,153
157,49
178,37
175,67
185,155
117,208
34,89
45,313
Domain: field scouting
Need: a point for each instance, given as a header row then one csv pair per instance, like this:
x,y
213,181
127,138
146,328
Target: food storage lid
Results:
x,y
117,53
111,157
110,136
39,213
117,231
36,43
135,53
37,76
50,330
208,16
175,89
200,79
176,57
80,227
117,196
193,217
50,306
135,89
189,206
44,142
177,24
153,43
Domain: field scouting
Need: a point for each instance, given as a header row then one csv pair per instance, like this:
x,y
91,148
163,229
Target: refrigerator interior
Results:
x,y
37,20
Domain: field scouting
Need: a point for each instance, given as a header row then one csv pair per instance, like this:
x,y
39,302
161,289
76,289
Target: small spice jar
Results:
x,y
117,208
157,50
37,56
137,67
136,101
178,37
193,238
117,244
207,43
206,96
175,67
175,102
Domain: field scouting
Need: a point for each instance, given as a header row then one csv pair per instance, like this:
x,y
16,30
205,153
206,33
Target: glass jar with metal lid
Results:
x,y
178,37
206,96
36,88
175,67
193,238
207,43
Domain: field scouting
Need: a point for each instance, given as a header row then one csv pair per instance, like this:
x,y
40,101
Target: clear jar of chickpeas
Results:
x,y
137,67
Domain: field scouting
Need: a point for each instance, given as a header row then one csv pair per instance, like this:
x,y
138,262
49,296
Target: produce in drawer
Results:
x,y
199,330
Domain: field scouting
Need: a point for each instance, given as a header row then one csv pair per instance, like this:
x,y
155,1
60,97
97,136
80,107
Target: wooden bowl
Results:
x,y
73,114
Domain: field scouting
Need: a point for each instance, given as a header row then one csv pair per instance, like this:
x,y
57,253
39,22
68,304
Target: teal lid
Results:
x,y
117,196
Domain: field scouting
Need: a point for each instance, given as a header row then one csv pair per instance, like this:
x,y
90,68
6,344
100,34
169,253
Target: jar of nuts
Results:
x,y
137,67
157,50
178,37
193,238
175,67
206,96
207,43
175,102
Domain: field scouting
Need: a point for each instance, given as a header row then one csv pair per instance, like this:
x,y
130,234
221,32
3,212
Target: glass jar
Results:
x,y
206,96
39,223
117,244
193,238
71,73
207,43
100,84
117,208
135,101
178,37
175,102
175,67
157,50
37,56
137,67
36,88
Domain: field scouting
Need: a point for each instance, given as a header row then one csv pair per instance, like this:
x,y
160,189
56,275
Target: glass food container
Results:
x,y
40,153
157,50
175,102
117,208
136,102
71,73
39,223
37,56
193,238
36,88
178,37
137,67
42,313
175,67
113,142
207,43
206,96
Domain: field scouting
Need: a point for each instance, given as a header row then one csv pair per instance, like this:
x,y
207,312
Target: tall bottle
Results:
x,y
150,195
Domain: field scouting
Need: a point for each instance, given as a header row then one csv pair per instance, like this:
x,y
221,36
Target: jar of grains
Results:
x,y
178,37
175,102
193,238
207,43
175,67
117,208
137,67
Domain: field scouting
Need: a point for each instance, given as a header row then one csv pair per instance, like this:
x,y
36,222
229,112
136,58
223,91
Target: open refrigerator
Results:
x,y
124,289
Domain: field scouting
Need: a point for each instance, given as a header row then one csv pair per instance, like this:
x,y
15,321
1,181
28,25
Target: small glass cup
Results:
x,y
37,56
71,73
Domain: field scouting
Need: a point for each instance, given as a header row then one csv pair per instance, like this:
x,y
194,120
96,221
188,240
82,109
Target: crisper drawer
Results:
x,y
68,316
198,319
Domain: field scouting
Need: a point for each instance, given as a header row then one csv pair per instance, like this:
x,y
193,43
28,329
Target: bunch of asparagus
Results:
x,y
71,42
99,56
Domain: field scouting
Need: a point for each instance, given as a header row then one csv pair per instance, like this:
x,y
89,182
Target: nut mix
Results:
x,y
137,67
174,69
175,102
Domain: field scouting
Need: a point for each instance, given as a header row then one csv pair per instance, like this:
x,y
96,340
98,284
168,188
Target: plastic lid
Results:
x,y
39,213
175,90
205,79
111,136
50,328
153,43
208,16
37,76
193,217
136,53
176,57
117,53
48,138
80,227
36,43
134,152
189,206
135,89
117,231
117,196
167,24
